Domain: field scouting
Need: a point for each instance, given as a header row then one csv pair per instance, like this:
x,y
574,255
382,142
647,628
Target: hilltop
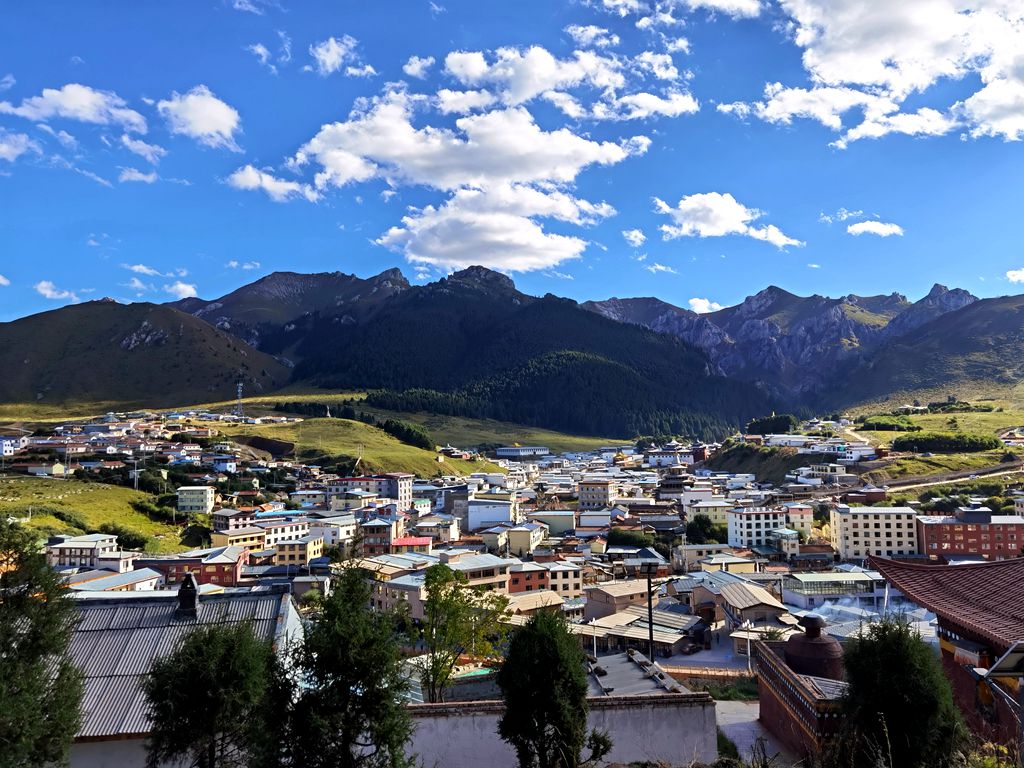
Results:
x,y
144,354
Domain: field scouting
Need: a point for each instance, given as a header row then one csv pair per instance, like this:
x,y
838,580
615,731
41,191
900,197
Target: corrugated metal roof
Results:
x,y
118,638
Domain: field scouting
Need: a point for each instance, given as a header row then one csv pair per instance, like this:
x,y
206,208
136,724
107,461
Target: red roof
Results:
x,y
983,599
411,541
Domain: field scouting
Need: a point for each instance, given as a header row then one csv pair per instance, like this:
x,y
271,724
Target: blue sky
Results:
x,y
697,150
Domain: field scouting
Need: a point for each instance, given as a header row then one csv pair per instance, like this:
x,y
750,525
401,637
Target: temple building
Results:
x,y
801,685
980,610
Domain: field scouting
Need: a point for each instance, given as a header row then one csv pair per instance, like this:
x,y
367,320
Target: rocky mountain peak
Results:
x,y
482,278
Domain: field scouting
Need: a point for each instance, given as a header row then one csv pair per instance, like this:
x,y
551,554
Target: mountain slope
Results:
x,y
146,354
982,342
481,348
273,312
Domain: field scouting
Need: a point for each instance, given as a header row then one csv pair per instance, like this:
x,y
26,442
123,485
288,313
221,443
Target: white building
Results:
x,y
883,531
196,499
751,527
81,551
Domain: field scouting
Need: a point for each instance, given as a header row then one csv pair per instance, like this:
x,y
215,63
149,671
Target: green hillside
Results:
x,y
332,441
93,503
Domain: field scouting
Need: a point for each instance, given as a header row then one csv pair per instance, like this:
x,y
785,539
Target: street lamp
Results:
x,y
649,569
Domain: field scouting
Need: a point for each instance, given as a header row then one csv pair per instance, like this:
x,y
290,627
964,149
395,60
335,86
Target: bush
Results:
x,y
890,424
775,424
126,537
71,518
946,442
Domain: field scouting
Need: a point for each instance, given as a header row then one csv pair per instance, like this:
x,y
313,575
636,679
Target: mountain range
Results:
x,y
472,344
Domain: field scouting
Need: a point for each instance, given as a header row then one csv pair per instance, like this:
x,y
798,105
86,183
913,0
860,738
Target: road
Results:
x,y
958,478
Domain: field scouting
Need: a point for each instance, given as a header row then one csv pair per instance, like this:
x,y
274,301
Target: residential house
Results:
x,y
80,551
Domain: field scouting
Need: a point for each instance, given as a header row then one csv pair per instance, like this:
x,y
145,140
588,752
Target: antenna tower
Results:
x,y
238,404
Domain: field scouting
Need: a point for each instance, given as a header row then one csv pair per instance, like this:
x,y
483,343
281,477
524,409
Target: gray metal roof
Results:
x,y
119,636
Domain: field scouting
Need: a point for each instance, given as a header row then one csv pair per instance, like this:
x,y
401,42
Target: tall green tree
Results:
x,y
458,619
544,684
207,698
349,711
40,686
899,706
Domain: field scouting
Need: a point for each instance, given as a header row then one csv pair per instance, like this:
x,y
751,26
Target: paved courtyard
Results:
x,y
738,720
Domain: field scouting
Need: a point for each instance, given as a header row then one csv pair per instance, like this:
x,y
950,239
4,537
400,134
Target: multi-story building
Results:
x,y
298,552
526,537
337,531
196,499
253,538
393,485
565,578
751,526
81,551
284,529
217,565
527,577
972,532
858,532
597,493
231,519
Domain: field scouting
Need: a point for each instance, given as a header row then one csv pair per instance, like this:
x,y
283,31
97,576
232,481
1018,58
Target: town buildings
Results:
x,y
859,532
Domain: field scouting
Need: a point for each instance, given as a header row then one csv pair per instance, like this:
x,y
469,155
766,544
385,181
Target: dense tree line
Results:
x,y
946,442
404,431
776,424
889,424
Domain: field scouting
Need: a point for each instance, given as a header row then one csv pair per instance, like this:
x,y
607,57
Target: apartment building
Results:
x,y
81,551
393,485
973,533
597,493
858,532
298,552
750,527
196,499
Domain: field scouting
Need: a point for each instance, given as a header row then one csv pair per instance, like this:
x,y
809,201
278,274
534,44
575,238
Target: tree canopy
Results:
x,y
544,684
207,697
776,424
458,620
899,706
40,685
349,711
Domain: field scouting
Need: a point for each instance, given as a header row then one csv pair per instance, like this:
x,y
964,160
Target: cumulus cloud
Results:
x,y
871,227
417,66
143,269
200,115
1015,275
714,214
4,282
868,56
634,237
590,36
658,64
655,268
263,56
336,54
48,290
703,306
463,102
14,145
278,190
151,152
78,102
7,82
738,9
636,106
180,290
139,287
841,215
134,174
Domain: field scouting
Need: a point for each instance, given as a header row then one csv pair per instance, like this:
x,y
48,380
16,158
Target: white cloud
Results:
x,y
1015,275
284,51
655,268
200,115
263,56
496,147
64,138
364,70
880,228
249,265
92,176
142,269
738,9
134,174
278,190
703,306
567,103
180,290
4,281
151,152
714,214
463,102
522,75
14,145
590,36
7,82
249,6
621,8
658,64
417,66
48,290
814,266
634,237
139,287
332,54
871,55
78,102
637,106
841,215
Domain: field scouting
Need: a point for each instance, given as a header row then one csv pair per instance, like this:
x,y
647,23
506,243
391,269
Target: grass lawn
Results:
x,y
316,439
94,503
915,466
